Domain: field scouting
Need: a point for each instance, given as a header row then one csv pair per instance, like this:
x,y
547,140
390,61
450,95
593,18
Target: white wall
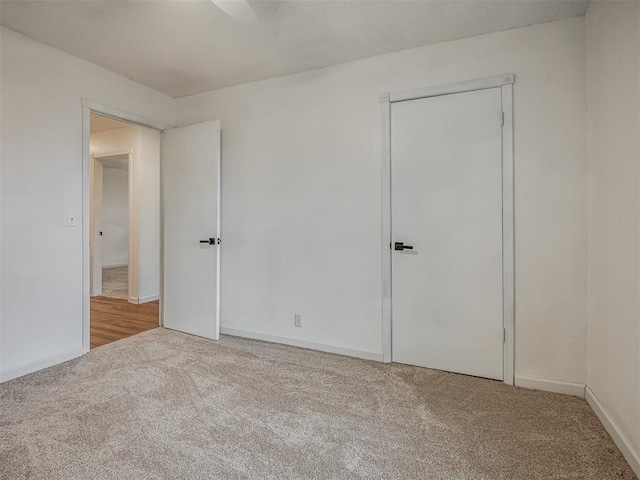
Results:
x,y
301,193
614,237
115,217
41,163
144,258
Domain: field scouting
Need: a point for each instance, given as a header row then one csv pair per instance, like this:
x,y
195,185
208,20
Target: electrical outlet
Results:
x,y
297,320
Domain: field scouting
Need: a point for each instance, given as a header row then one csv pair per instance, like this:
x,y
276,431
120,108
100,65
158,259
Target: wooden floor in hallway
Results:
x,y
114,319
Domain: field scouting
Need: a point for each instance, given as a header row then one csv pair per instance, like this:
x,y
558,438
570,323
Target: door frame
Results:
x,y
89,107
505,83
93,184
99,158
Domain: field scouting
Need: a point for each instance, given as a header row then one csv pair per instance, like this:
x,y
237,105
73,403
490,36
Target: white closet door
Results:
x,y
447,286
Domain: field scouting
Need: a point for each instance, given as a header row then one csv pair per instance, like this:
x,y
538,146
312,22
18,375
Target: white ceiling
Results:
x,y
121,162
182,47
99,123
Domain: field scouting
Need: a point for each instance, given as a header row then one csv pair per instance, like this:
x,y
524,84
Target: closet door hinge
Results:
x,y
502,118
504,335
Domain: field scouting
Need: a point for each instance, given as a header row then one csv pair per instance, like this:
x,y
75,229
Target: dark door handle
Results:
x,y
100,233
401,246
212,241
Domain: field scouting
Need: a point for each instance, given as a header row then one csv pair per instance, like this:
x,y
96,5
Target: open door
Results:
x,y
96,227
190,162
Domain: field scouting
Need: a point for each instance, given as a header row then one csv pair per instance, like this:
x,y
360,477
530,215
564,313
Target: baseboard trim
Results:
x,y
302,343
116,265
619,438
36,365
555,386
148,298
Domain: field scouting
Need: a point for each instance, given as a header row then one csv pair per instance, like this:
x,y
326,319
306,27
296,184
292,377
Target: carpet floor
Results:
x,y
165,405
115,282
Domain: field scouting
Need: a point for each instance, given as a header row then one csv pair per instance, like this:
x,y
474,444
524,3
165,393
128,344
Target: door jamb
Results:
x,y
505,83
87,108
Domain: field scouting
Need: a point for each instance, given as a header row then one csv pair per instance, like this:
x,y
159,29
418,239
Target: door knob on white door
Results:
x,y
401,246
211,241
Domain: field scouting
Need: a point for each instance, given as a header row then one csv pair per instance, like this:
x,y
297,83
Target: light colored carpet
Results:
x,y
115,282
165,405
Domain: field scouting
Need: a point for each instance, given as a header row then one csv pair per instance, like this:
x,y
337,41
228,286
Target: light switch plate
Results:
x,y
72,220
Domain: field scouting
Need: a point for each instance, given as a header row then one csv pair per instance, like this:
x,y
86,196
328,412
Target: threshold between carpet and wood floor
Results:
x,y
165,405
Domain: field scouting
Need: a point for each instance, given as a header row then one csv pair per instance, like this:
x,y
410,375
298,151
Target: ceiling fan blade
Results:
x,y
238,9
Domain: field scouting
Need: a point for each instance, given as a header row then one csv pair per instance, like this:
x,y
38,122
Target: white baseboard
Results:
x,y
115,265
139,300
555,386
618,437
302,343
36,365
148,298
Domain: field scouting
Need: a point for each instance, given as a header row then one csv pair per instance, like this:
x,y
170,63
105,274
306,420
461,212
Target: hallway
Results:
x,y
114,319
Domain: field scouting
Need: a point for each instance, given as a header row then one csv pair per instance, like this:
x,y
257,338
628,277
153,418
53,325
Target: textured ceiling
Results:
x,y
183,47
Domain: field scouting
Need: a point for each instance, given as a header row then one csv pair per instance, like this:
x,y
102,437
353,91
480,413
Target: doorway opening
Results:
x,y
174,226
124,229
110,229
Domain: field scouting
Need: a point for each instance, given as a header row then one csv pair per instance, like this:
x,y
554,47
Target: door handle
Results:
x,y
401,246
212,241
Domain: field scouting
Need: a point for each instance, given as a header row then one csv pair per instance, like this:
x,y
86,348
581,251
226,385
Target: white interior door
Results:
x,y
447,291
96,226
190,161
